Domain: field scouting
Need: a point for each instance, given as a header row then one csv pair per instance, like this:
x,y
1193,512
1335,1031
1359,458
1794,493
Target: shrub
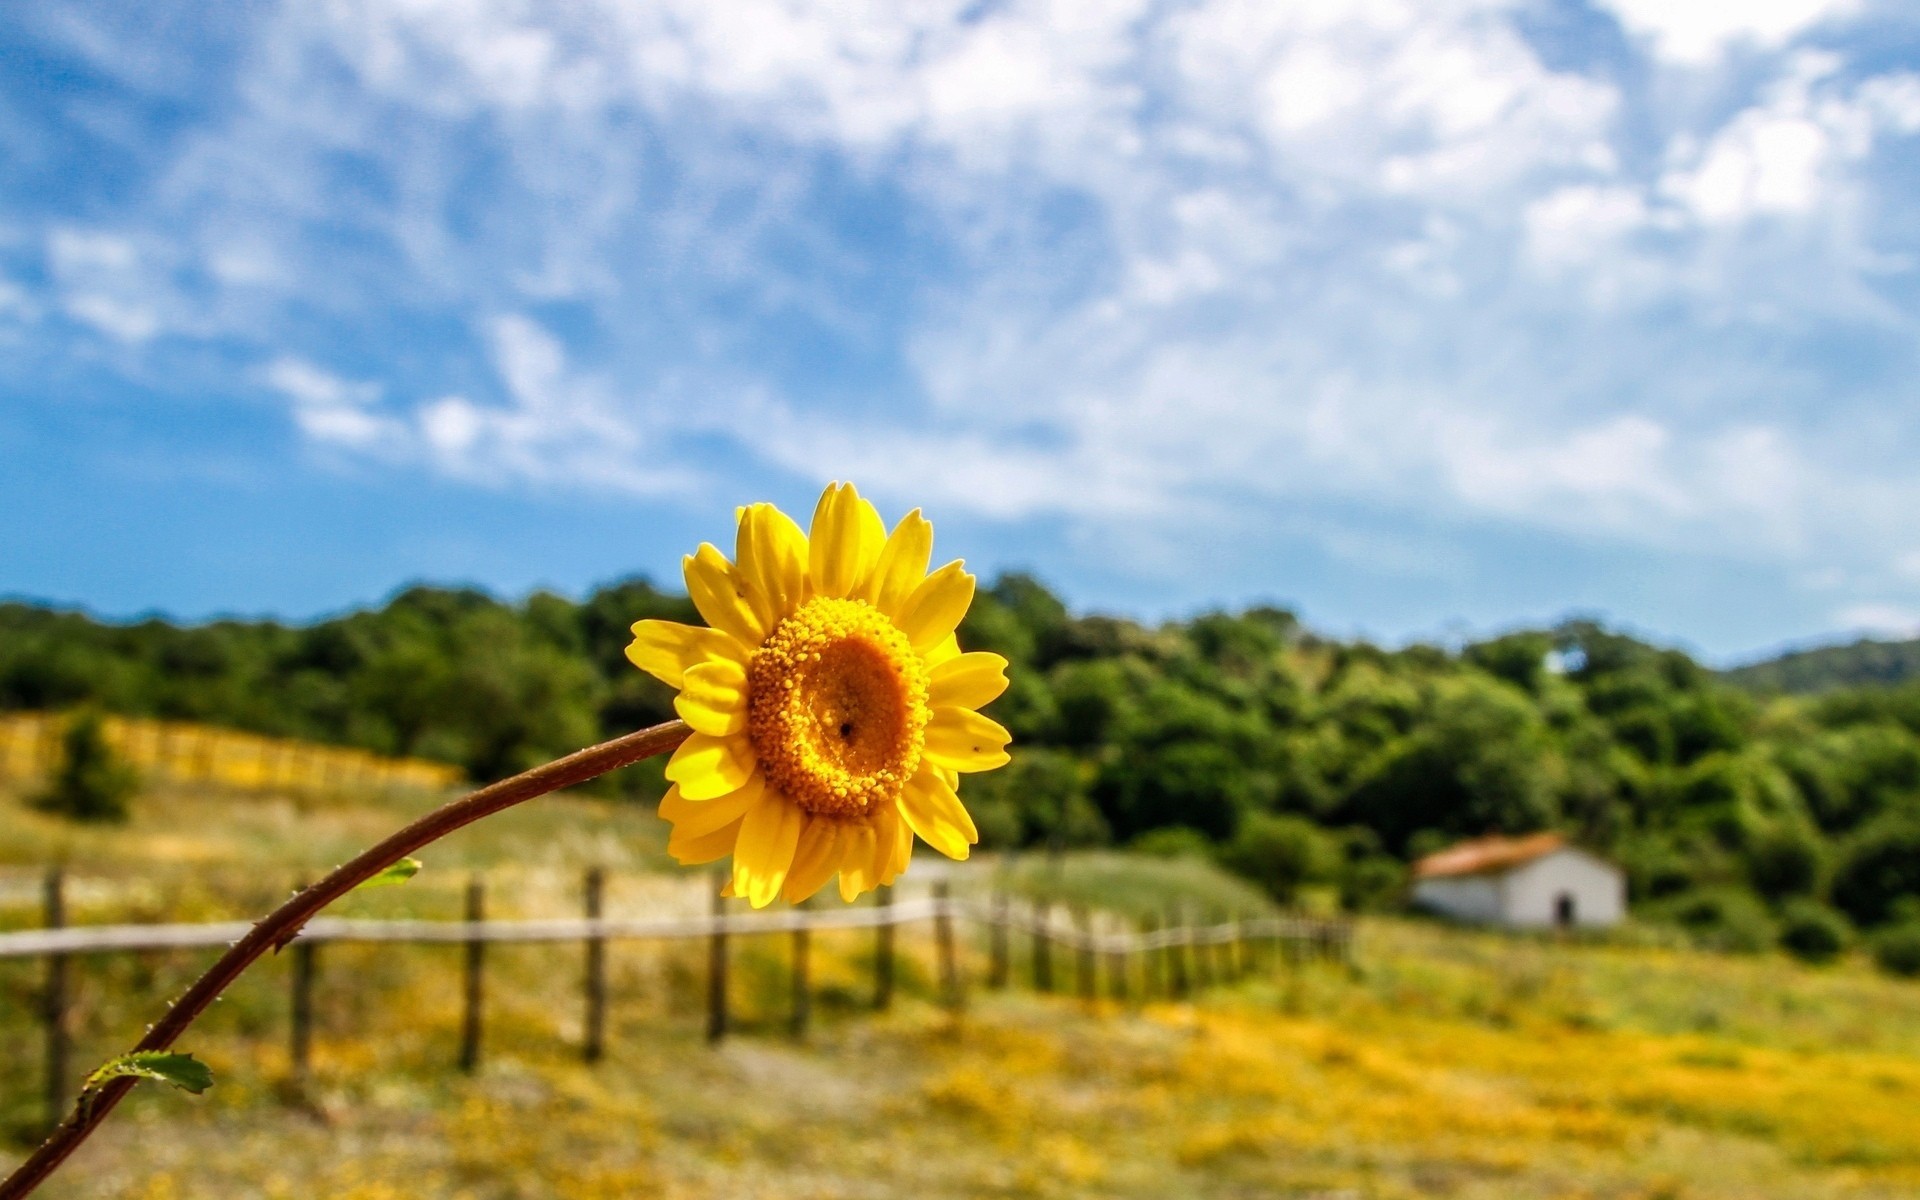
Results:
x,y
1881,867
1897,949
1813,932
1372,883
1730,919
91,783
1172,841
1281,853
1785,862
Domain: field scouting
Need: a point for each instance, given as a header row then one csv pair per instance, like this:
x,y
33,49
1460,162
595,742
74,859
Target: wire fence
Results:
x,y
1170,959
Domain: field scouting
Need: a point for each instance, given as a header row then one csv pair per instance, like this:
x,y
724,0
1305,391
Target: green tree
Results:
x,y
1282,854
90,782
1880,868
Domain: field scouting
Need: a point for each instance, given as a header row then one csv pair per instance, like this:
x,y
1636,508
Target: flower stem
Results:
x,y
284,923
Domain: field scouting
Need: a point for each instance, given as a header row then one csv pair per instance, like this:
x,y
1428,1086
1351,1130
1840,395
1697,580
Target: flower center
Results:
x,y
837,707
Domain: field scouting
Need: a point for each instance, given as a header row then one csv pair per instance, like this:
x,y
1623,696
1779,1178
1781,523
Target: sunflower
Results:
x,y
832,709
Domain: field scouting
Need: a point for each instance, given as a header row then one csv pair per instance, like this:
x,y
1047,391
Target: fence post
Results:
x,y
1199,951
883,951
300,1052
802,994
1151,960
1084,964
1228,946
1177,939
997,943
1118,963
300,1005
1042,947
54,904
943,936
476,982
596,983
717,966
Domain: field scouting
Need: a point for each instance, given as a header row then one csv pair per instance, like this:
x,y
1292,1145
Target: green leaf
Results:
x,y
180,1070
399,872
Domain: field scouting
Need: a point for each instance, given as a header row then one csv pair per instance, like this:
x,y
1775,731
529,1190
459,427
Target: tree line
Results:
x,y
1304,762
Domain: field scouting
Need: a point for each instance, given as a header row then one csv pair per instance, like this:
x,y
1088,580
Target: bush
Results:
x,y
1813,932
1373,883
91,783
1172,841
1281,853
1785,862
1897,949
1729,919
1880,868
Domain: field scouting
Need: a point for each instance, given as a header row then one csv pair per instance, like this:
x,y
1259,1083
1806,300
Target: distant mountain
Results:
x,y
1865,662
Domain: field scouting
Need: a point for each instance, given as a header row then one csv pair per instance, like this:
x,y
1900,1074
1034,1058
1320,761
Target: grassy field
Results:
x,y
1442,1063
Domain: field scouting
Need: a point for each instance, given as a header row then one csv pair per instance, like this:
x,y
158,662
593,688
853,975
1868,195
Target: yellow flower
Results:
x,y
832,709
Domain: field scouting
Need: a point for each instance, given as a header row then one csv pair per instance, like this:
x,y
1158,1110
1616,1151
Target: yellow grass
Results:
x,y
180,752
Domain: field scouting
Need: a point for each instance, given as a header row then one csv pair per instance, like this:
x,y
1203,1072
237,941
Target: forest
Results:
x,y
1312,765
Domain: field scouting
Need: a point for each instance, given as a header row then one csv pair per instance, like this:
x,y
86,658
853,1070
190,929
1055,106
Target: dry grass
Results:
x,y
1447,1064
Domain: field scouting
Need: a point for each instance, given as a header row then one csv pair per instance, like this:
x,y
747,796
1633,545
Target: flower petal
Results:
x,y
772,553
708,767
691,851
769,835
724,596
893,846
665,649
815,859
969,681
697,818
839,552
964,740
902,564
713,698
856,859
941,653
933,609
933,811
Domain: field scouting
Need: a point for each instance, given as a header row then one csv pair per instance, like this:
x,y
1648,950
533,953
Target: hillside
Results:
x,y
1300,761
1445,1062
1863,663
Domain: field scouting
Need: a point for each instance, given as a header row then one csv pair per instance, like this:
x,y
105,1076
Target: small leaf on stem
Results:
x,y
399,872
181,1070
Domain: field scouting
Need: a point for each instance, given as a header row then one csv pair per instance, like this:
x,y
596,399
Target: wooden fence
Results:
x,y
1170,959
183,752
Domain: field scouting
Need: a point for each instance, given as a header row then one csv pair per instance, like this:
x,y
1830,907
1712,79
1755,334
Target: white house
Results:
x,y
1534,882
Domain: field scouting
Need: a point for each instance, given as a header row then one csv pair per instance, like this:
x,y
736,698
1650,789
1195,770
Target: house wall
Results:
x,y
1527,896
1462,897
1530,892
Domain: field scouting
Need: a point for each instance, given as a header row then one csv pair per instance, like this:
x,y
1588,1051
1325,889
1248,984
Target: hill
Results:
x,y
1862,663
1442,1063
1299,761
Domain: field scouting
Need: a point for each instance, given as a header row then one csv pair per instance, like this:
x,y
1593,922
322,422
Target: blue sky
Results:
x,y
1426,317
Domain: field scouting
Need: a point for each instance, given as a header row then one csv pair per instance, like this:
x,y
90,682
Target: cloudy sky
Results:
x,y
1424,317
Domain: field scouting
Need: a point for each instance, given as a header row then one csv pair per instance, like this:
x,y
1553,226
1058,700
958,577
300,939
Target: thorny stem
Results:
x,y
284,923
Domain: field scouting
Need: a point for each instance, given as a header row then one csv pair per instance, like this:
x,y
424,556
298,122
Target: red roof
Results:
x,y
1485,855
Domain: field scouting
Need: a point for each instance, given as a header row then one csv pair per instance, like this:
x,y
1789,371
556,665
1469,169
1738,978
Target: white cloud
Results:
x,y
1695,32
332,410
558,426
1881,619
1573,225
104,283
